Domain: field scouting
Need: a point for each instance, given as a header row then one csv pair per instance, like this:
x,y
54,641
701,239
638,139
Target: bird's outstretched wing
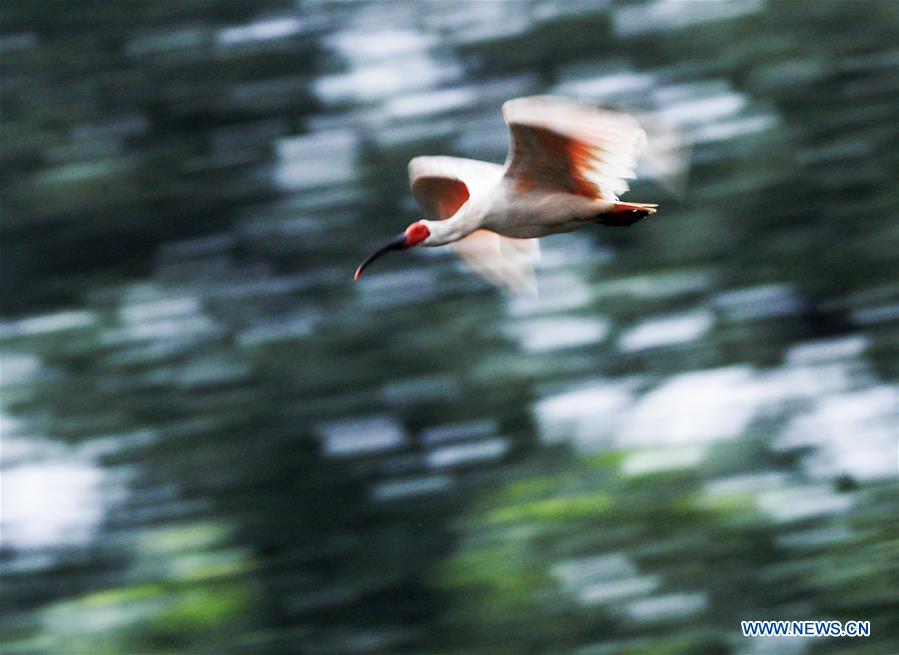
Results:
x,y
441,185
560,144
505,261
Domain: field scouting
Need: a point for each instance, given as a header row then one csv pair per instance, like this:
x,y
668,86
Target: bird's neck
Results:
x,y
460,225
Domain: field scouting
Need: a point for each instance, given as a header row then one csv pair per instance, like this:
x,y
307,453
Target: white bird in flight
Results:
x,y
567,165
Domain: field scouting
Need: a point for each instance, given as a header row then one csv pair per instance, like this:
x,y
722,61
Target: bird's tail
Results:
x,y
626,213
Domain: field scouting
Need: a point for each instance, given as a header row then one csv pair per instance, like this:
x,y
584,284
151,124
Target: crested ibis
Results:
x,y
567,165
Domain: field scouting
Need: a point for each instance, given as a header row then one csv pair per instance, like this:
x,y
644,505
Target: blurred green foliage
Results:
x,y
180,329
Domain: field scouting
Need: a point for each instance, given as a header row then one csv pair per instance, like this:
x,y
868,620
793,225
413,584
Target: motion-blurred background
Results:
x,y
213,441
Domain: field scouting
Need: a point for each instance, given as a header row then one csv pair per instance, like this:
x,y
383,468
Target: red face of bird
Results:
x,y
414,235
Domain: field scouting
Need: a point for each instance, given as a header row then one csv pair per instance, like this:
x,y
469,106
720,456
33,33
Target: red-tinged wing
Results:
x,y
561,145
441,185
439,197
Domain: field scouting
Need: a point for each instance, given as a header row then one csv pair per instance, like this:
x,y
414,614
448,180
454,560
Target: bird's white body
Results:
x,y
566,167
505,211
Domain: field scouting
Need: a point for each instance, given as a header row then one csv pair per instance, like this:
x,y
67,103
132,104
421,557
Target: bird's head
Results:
x,y
413,235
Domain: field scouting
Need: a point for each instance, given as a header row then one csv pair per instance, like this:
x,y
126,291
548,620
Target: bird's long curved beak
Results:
x,y
396,243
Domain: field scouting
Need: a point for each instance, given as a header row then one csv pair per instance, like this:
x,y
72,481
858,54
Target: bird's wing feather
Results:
x,y
561,145
441,185
505,261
